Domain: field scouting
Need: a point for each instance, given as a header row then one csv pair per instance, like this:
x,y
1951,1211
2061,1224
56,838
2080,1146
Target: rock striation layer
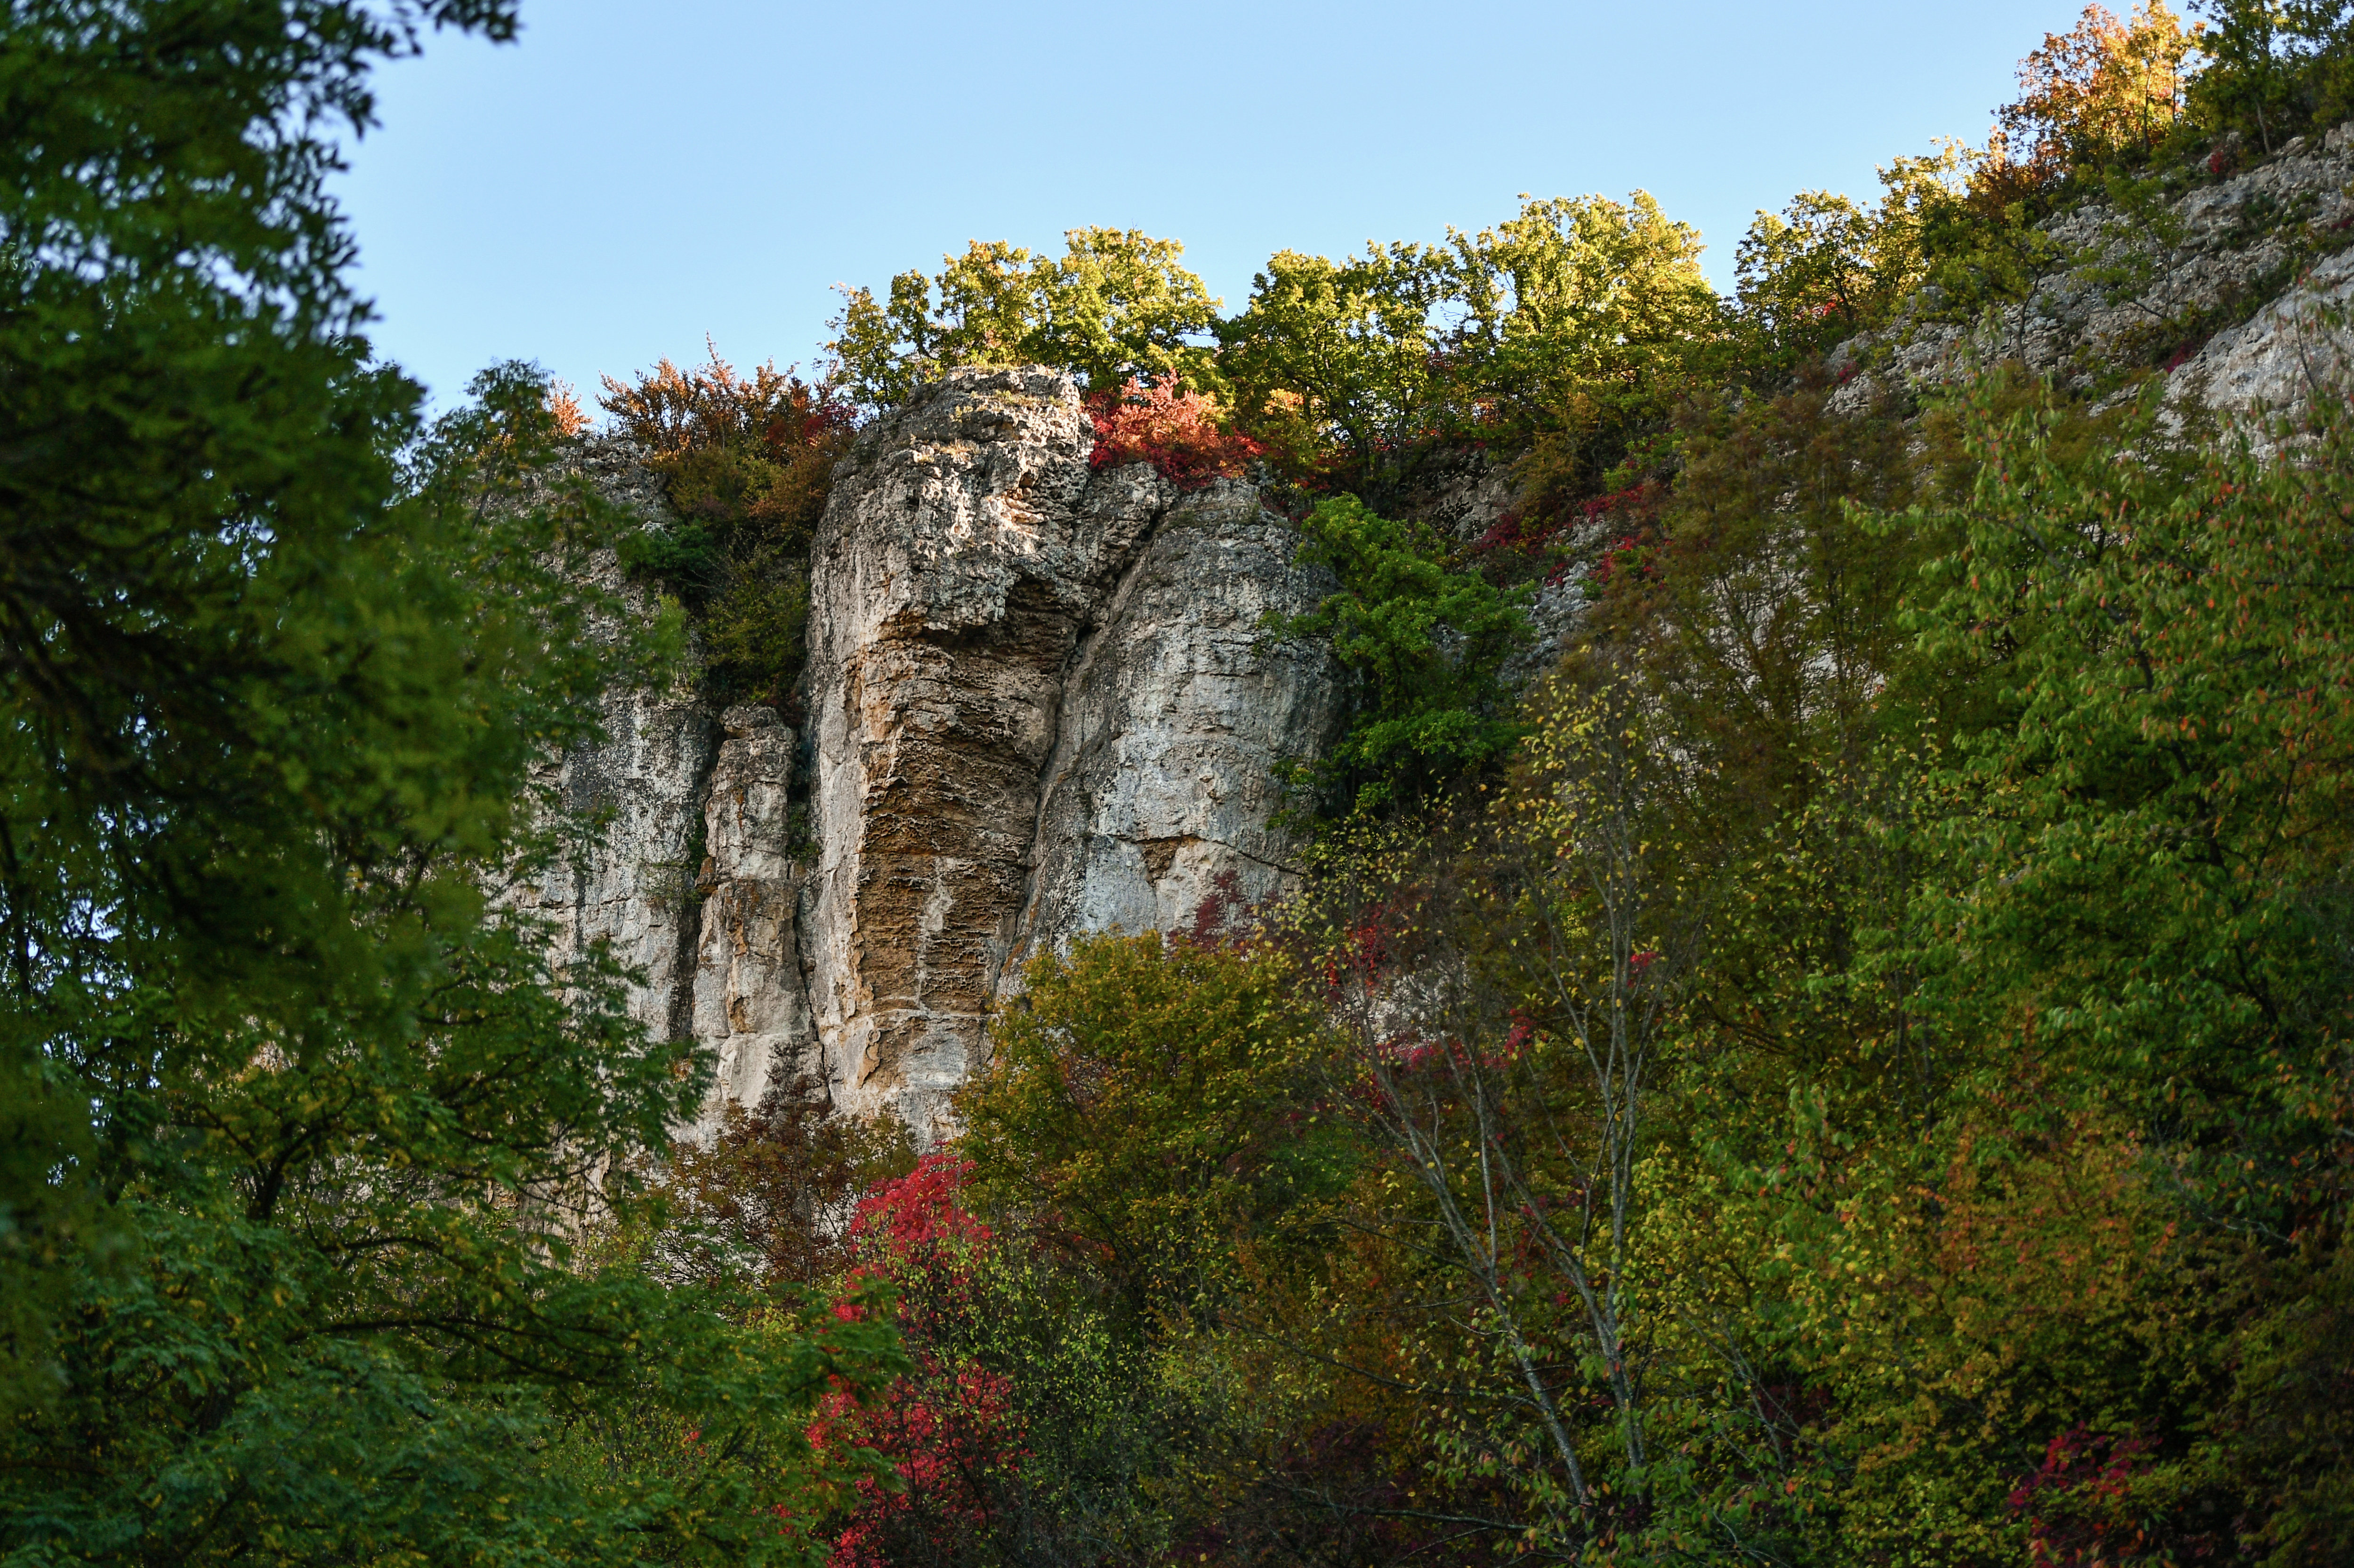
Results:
x,y
748,1003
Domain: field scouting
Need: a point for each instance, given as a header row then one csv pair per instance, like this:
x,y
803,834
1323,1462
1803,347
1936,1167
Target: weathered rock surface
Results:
x,y
1035,712
748,1001
2275,362
1158,795
2152,289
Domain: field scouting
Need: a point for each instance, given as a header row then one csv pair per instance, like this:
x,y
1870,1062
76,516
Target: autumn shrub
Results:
x,y
2106,88
746,462
1157,1122
1030,1427
1184,435
1147,1101
767,1201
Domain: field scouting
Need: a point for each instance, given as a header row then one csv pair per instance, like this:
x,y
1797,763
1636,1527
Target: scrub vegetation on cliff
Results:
x,y
1846,1064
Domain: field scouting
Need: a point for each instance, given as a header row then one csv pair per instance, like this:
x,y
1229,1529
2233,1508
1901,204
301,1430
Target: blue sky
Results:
x,y
631,177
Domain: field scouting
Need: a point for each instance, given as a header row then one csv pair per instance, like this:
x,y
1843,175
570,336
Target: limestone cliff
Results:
x,y
1038,707
1037,710
1040,704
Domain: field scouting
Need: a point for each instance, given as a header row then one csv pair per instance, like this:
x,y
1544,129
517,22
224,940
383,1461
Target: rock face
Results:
x,y
1041,703
2275,362
1036,712
1155,803
633,885
1038,708
2165,288
748,996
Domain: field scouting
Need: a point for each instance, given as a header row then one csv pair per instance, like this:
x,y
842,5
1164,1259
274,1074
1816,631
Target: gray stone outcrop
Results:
x,y
2155,288
1039,706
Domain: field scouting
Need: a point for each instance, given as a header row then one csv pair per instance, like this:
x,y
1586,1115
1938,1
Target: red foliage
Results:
x,y
1530,534
1215,915
2081,1506
1177,432
910,1221
951,1425
1627,553
947,1428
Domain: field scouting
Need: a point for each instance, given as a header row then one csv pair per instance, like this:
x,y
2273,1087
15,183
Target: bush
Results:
x,y
1182,434
1422,647
749,462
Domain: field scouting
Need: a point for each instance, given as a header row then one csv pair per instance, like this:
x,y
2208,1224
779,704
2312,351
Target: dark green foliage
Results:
x,y
195,460
1422,647
290,1273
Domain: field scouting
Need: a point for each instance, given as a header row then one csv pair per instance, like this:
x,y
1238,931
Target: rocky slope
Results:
x,y
1038,708
2229,286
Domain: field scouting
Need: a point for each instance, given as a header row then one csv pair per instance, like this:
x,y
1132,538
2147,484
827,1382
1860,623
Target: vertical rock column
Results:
x,y
749,1002
1175,716
962,552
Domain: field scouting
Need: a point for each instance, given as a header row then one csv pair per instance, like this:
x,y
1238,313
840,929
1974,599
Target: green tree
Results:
x,y
1423,649
1116,304
2274,68
1574,322
280,666
1824,269
1145,1101
1581,320
1336,364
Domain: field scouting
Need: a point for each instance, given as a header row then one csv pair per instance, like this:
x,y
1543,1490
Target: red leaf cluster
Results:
x,y
2083,1506
1179,433
951,1424
1536,532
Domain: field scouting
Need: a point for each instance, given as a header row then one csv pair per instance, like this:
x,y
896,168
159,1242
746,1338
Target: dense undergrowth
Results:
x,y
1849,1068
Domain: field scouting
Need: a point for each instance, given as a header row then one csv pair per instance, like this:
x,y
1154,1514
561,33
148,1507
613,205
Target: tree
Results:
x,y
2150,866
1146,1102
1571,322
1508,994
281,664
1825,269
1337,364
172,295
2104,87
1581,317
1424,647
2274,68
1116,304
